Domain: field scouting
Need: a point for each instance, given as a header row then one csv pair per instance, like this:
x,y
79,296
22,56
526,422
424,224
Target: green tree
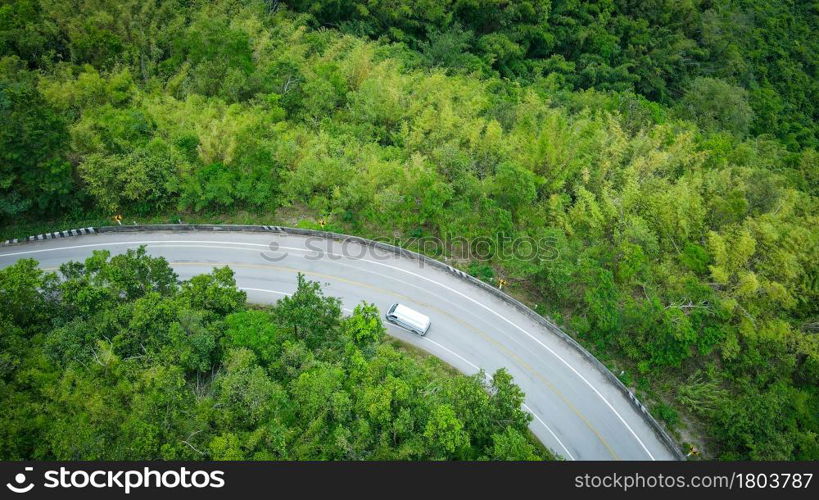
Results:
x,y
444,433
35,175
716,105
142,181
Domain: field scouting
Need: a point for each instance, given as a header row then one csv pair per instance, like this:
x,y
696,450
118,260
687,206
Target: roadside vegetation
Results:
x,y
116,360
665,149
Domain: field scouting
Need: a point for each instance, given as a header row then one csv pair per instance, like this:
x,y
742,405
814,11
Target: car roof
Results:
x,y
412,315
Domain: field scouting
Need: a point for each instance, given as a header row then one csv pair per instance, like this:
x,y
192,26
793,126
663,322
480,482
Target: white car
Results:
x,y
409,319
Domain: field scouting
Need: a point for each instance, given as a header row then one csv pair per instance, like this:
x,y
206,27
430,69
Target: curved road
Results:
x,y
578,413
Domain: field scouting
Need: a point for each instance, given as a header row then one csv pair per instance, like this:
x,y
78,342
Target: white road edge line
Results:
x,y
263,290
206,242
473,365
568,453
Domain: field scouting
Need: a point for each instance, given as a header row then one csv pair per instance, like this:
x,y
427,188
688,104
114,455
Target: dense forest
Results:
x,y
758,56
667,149
116,360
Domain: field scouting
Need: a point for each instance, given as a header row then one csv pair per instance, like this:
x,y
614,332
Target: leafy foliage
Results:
x,y
35,174
661,50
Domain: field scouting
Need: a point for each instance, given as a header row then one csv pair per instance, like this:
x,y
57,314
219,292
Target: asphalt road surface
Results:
x,y
577,412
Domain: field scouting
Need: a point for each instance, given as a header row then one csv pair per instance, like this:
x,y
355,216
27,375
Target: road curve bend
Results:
x,y
579,412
